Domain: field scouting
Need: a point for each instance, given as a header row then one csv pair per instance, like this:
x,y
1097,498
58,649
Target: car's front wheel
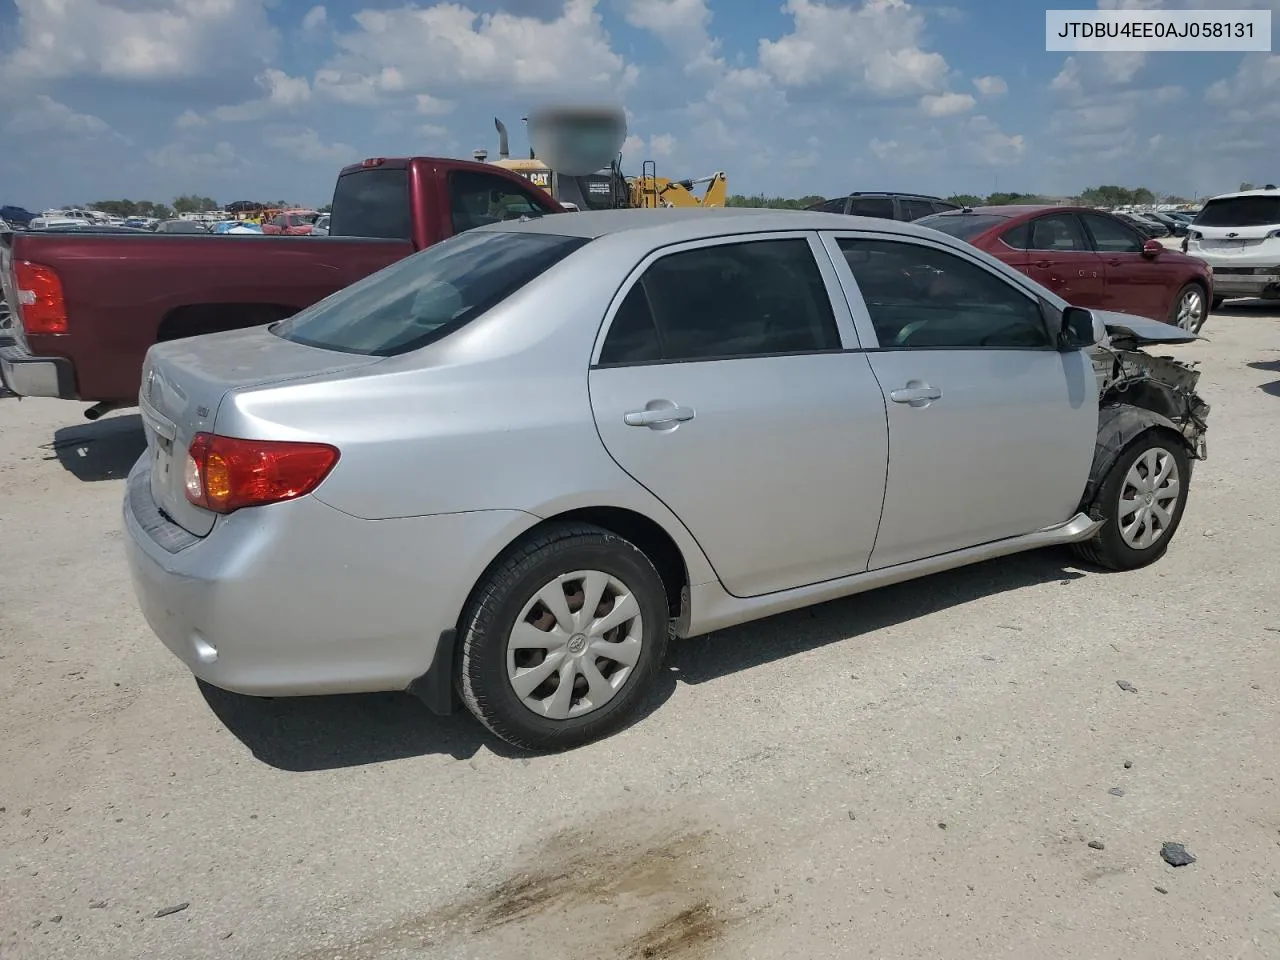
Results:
x,y
1140,502
562,638
1190,309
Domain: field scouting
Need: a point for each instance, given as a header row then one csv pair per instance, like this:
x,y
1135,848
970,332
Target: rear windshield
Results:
x,y
372,203
1240,212
428,295
962,225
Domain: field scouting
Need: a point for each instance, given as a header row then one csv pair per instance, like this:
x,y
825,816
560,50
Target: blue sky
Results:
x,y
236,99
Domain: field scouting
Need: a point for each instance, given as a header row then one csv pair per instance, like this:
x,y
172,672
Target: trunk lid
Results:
x,y
183,383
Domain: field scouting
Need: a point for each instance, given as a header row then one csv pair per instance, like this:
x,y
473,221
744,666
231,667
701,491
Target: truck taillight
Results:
x,y
41,308
223,474
373,162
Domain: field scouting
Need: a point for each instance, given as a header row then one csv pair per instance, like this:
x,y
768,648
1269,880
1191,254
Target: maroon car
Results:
x,y
1089,258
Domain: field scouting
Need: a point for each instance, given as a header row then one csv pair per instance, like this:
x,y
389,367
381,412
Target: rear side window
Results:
x,y
1018,237
427,296
872,207
834,206
477,199
725,301
1240,212
915,209
372,203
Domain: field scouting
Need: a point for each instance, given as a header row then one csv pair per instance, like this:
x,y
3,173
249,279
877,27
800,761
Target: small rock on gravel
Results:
x,y
97,904
1176,855
1097,845
852,815
1128,764
1116,791
1126,686
176,908
1161,890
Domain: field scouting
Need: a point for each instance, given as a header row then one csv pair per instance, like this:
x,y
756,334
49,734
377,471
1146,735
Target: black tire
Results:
x,y
1217,302
1107,548
497,601
1177,306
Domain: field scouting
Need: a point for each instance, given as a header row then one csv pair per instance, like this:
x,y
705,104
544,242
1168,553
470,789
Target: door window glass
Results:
x,y
479,198
921,297
1110,235
834,206
915,209
873,207
1057,232
724,301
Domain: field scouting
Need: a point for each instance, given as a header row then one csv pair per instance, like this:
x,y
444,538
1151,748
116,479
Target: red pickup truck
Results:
x,y
86,306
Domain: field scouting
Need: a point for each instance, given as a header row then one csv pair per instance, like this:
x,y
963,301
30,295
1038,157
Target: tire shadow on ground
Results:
x,y
320,733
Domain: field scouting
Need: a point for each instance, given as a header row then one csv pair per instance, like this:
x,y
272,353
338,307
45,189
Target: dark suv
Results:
x,y
887,206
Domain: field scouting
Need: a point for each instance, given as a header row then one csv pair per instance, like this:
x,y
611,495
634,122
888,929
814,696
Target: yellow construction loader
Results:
x,y
608,188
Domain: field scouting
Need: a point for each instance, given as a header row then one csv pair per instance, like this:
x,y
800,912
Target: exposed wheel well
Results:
x,y
655,542
201,318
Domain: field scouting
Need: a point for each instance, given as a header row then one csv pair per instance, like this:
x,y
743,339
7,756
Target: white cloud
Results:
x,y
662,145
946,104
46,117
315,20
992,146
682,27
432,106
306,146
873,47
149,40
283,93
188,119
883,148
991,86
448,46
188,160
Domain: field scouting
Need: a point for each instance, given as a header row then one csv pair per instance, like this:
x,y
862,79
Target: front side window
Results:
x,y
476,199
924,298
426,296
1057,232
725,301
1110,235
881,207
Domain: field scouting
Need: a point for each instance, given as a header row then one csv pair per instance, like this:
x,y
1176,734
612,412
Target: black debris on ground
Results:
x,y
1176,855
1116,791
1161,890
1097,845
176,908
1126,686
1128,764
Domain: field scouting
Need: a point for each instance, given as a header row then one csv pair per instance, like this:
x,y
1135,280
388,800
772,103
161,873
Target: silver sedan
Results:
x,y
505,470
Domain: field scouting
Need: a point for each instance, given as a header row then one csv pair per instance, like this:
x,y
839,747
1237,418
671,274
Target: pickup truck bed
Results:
x,y
98,301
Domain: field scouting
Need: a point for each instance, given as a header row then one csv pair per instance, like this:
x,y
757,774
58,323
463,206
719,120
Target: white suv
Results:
x,y
1238,235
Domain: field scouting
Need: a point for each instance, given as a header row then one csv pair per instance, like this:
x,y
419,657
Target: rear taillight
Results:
x,y
226,473
41,308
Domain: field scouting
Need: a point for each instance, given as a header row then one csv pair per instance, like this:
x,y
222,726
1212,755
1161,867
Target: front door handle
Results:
x,y
916,394
657,417
1043,264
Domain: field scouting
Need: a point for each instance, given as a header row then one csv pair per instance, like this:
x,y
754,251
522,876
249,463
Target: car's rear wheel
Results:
x,y
562,638
1189,309
1140,502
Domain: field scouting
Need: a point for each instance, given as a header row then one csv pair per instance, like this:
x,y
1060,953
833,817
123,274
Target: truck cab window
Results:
x,y
479,198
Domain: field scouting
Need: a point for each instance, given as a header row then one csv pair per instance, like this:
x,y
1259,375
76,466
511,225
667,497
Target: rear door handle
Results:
x,y
659,417
916,394
1043,264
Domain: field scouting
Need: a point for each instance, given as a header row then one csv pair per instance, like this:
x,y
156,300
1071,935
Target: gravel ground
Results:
x,y
914,773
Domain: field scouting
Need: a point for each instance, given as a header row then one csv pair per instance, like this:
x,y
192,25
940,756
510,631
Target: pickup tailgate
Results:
x,y
184,381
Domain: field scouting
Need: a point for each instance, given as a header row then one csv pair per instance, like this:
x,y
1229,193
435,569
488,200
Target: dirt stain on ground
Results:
x,y
585,895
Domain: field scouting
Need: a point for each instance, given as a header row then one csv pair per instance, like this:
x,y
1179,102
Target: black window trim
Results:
x,y
841,311
862,318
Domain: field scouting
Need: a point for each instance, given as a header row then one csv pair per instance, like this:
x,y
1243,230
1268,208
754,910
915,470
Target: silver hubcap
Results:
x,y
575,644
1148,498
1190,310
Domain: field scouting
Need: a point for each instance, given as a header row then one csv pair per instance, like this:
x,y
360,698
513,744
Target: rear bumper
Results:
x,y
1252,284
298,598
29,376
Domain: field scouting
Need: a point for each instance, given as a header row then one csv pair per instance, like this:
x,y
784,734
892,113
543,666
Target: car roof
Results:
x,y
1273,192
678,224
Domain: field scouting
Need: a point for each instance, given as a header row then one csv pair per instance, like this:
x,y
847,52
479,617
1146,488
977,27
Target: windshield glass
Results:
x,y
962,225
1240,212
428,295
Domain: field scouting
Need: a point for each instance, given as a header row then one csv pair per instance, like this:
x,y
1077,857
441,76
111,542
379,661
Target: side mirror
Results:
x,y
1080,329
1152,249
